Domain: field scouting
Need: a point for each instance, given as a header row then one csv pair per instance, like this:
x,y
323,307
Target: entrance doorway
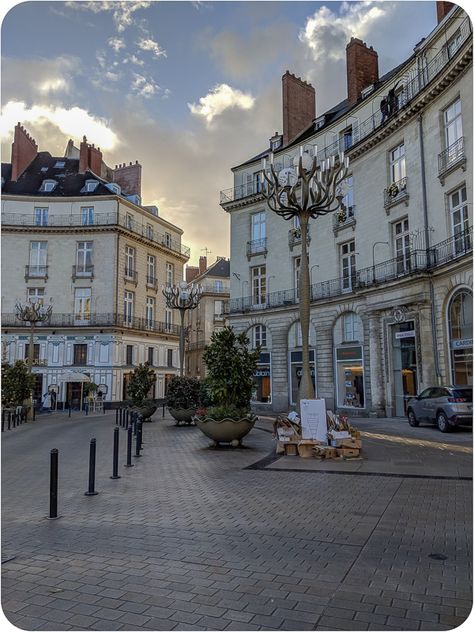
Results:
x,y
74,394
404,365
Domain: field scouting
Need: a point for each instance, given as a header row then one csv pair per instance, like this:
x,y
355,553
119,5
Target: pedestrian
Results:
x,y
46,405
53,400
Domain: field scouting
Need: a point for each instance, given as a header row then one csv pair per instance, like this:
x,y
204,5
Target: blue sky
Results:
x,y
187,88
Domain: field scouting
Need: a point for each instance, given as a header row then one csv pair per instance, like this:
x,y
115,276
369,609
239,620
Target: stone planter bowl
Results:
x,y
145,411
225,430
182,415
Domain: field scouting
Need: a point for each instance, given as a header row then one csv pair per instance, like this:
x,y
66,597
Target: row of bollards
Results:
x,y
11,419
135,424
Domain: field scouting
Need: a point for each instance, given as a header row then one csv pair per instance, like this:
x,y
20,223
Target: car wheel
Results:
x,y
443,423
412,420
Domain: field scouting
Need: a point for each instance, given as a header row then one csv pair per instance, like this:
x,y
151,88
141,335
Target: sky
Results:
x,y
189,89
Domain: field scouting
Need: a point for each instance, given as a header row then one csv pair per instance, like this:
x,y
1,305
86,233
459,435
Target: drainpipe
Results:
x,y
427,247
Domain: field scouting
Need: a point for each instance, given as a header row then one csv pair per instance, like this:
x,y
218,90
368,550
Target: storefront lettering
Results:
x,y
461,344
404,334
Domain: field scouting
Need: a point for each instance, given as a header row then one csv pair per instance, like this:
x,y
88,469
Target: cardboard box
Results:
x,y
306,449
348,453
291,449
352,443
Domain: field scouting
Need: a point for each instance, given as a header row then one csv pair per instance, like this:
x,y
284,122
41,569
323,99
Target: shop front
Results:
x,y
404,365
296,370
262,390
460,337
350,377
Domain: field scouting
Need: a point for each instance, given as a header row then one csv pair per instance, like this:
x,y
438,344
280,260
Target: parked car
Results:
x,y
447,406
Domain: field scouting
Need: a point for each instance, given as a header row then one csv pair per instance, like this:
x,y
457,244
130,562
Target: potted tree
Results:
x,y
183,398
140,384
17,384
231,367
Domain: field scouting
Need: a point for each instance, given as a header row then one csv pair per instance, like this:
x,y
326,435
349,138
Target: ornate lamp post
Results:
x,y
312,188
33,313
182,297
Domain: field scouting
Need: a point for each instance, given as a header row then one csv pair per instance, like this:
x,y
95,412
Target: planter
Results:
x,y
183,415
225,430
145,411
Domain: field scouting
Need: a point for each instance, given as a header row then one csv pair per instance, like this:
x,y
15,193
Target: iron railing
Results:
x,y
240,192
96,320
36,272
409,263
83,272
451,156
257,247
395,193
131,275
344,218
99,219
152,282
212,288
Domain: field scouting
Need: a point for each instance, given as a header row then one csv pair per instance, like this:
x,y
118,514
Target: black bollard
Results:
x,y
127,420
33,416
129,447
69,410
53,485
135,419
14,420
91,491
137,440
163,409
9,421
3,423
116,451
116,416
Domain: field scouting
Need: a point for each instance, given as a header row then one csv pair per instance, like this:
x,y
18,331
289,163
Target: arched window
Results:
x,y
460,336
348,336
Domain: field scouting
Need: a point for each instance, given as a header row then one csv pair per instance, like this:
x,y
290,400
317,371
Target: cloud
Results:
x,y
219,99
67,120
149,44
116,43
39,77
144,87
133,59
122,12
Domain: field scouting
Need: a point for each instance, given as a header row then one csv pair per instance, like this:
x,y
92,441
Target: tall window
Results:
x,y
87,213
168,318
84,257
129,260
401,239
259,336
348,199
452,123
346,138
350,327
460,334
218,309
459,220
169,273
296,274
36,351
82,304
41,216
218,286
129,355
150,355
149,231
397,164
80,355
129,221
36,295
259,285
128,307
151,269
348,265
168,240
150,311
258,227
38,257
169,357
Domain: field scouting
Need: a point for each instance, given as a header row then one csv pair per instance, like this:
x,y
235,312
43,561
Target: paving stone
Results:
x,y
212,623
82,620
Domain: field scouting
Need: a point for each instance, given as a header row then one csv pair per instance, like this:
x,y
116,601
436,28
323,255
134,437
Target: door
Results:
x,y
404,365
422,407
74,394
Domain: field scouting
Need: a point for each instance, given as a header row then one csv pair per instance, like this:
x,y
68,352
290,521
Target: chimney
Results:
x,y
362,68
90,158
191,273
24,151
442,9
129,178
202,265
299,105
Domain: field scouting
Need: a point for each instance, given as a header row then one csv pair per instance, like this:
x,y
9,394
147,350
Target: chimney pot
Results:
x,y
362,68
299,105
442,9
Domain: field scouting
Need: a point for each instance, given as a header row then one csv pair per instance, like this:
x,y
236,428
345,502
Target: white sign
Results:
x,y
404,334
313,419
461,344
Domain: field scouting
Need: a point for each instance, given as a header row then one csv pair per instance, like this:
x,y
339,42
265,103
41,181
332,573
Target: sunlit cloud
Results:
x,y
116,43
122,12
144,87
133,59
57,84
149,44
220,98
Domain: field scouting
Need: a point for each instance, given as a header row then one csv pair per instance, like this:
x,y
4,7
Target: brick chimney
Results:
x,y
191,273
362,68
299,105
129,178
202,265
24,151
90,158
442,9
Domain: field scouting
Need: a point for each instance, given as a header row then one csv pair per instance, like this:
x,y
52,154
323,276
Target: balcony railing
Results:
x,y
96,320
257,247
394,194
410,89
36,272
193,346
343,219
82,272
411,262
152,282
240,192
99,219
451,157
131,275
212,288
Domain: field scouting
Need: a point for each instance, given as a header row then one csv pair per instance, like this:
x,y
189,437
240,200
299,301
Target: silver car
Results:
x,y
447,406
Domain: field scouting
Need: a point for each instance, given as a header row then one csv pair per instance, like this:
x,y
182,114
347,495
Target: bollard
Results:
x,y
140,418
53,485
120,416
116,451
34,415
135,424
86,409
91,491
14,420
129,447
116,416
163,409
3,424
137,440
127,420
9,421
69,410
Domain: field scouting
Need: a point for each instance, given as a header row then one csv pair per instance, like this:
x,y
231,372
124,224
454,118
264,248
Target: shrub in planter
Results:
x,y
183,398
140,384
17,384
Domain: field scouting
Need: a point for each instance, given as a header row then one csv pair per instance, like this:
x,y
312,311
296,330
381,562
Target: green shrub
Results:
x,y
141,382
183,392
17,383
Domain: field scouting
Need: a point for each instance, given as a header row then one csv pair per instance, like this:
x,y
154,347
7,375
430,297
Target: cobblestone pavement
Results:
x,y
195,539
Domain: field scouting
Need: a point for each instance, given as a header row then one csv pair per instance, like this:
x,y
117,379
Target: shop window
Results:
x,y
460,337
350,377
296,371
262,389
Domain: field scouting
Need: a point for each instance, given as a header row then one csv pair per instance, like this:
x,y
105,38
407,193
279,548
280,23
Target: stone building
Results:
x,y
391,275
75,232
210,314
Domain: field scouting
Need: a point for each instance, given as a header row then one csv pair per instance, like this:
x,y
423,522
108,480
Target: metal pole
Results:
x,y
120,410
138,440
127,419
9,421
116,451
116,416
91,491
31,349
129,447
53,485
181,343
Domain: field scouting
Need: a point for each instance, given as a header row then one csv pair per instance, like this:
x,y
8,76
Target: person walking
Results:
x,y
46,405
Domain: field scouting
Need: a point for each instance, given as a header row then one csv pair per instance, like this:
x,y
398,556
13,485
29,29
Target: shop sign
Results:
x,y
349,353
262,373
299,371
461,344
399,335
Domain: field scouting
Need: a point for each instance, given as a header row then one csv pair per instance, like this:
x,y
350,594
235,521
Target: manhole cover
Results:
x,y
437,556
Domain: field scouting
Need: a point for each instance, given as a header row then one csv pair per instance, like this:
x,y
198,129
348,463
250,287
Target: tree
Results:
x,y
141,382
17,383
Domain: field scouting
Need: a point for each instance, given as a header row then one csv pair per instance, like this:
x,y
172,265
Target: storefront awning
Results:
x,y
73,376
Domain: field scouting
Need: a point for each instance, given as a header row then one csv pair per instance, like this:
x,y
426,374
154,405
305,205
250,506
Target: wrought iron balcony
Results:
x,y
241,192
82,272
152,282
213,288
36,272
343,219
257,247
397,192
452,157
294,237
131,275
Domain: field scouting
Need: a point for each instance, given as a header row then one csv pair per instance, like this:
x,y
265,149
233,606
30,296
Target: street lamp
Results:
x,y
310,189
373,257
32,312
182,297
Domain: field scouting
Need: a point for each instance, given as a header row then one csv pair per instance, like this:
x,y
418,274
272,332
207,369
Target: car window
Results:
x,y
425,394
465,393
439,392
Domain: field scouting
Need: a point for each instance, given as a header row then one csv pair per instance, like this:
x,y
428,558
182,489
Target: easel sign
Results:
x,y
313,419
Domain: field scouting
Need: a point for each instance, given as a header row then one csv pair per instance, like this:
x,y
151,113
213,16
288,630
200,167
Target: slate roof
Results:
x,y
220,268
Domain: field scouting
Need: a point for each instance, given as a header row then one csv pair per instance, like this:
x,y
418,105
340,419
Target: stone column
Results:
x,y
376,371
280,377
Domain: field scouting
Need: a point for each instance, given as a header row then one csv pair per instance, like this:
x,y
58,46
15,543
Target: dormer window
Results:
x,y
112,186
48,186
60,164
275,144
91,185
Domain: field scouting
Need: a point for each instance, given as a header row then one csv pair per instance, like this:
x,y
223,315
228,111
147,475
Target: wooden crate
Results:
x,y
291,449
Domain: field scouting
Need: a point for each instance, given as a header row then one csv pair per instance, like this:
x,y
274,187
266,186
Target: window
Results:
x,y
36,295
262,382
91,185
168,318
150,311
346,138
350,377
128,307
296,275
348,265
169,357
169,273
59,164
150,356
397,164
149,231
460,334
218,309
218,286
80,355
84,258
454,43
41,216
82,304
36,351
296,221
459,220
259,336
452,124
401,239
259,284
48,186
151,269
38,257
257,182
129,355
350,327
115,188
348,199
168,240
129,261
129,221
258,227
87,213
